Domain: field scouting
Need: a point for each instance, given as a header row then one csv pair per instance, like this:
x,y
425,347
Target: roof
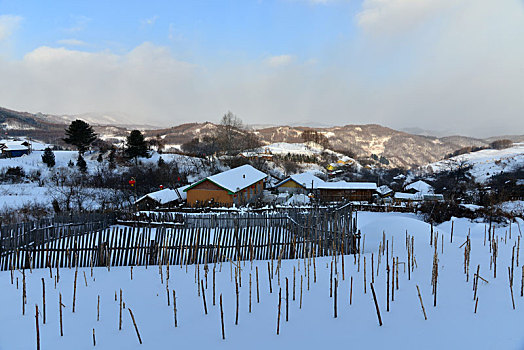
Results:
x,y
234,180
384,189
408,196
306,180
343,185
166,195
15,147
420,186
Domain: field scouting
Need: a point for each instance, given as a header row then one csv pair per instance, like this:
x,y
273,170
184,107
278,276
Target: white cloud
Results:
x,y
8,24
280,60
72,42
149,21
394,16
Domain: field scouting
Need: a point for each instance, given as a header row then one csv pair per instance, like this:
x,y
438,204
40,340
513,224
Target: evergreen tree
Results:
x,y
80,134
111,159
136,146
161,162
99,159
70,164
81,164
48,157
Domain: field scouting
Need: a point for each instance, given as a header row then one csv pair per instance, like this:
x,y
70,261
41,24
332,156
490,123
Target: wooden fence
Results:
x,y
298,234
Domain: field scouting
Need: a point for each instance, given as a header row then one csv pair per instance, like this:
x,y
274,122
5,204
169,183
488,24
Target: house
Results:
x,y
346,191
12,149
165,198
419,186
299,183
237,186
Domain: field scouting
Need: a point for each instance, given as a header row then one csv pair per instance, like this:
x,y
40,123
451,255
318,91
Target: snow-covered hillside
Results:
x,y
458,321
485,163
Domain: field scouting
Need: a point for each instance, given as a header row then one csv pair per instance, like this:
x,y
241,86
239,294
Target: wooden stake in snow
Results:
x,y
376,304
365,275
43,300
236,316
37,329
302,280
221,318
335,299
351,290
98,309
203,296
60,306
214,285
421,303
258,291
174,307
136,328
269,277
120,313
511,287
287,301
23,292
476,304
74,290
279,306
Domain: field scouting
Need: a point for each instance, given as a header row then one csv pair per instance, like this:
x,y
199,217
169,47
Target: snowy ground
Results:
x,y
486,163
452,324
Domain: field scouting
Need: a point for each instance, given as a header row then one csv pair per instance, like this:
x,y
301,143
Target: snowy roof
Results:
x,y
420,186
408,196
384,189
306,180
166,195
343,185
235,179
14,146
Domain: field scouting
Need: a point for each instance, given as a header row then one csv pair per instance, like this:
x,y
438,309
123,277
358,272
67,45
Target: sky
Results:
x,y
453,66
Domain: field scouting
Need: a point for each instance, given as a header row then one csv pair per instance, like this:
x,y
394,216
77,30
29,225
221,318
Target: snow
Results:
x,y
421,187
512,207
237,178
298,199
485,163
408,196
383,190
452,324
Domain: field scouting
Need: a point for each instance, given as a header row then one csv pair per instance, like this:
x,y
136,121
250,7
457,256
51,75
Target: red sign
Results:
x,y
132,182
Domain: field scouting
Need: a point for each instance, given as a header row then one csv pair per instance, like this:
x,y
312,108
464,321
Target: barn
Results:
x,y
347,191
237,186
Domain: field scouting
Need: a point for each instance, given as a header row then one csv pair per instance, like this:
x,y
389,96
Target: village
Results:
x,y
261,174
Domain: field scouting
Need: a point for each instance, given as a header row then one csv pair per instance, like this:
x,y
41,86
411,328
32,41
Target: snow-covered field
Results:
x,y
486,163
451,324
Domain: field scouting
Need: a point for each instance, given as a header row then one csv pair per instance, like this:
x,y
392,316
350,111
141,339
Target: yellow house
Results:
x,y
237,186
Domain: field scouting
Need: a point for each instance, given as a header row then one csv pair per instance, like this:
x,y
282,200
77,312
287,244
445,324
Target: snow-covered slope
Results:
x,y
485,163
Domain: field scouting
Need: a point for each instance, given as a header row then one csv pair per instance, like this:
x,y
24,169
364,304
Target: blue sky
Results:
x,y
447,65
204,31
